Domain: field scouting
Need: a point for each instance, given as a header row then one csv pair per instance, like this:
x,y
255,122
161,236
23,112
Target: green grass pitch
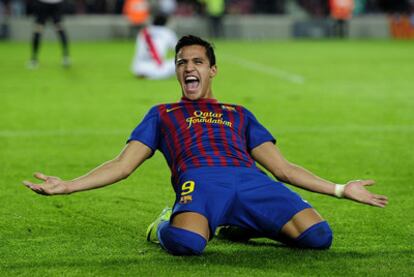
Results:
x,y
343,109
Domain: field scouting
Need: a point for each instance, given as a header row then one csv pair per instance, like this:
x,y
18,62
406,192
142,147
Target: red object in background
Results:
x,y
151,46
341,9
137,11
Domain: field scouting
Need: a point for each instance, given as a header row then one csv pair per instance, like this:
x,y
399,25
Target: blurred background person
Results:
x,y
4,18
137,13
401,18
152,45
44,10
215,11
167,7
341,13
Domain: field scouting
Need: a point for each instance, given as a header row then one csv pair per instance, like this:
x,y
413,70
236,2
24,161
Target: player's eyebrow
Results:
x,y
198,59
184,60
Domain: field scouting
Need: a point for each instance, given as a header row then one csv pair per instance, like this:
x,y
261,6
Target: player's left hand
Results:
x,y
51,185
355,190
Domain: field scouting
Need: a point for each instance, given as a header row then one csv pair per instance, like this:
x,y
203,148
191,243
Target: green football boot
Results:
x,y
165,215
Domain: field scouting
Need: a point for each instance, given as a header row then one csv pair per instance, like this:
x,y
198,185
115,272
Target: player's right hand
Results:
x,y
51,185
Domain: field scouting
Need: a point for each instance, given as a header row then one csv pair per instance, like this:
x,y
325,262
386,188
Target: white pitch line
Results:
x,y
268,70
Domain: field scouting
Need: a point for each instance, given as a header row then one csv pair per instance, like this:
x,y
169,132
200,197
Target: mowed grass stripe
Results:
x,y
265,69
291,129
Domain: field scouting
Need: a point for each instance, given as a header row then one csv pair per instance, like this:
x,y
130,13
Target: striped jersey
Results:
x,y
202,133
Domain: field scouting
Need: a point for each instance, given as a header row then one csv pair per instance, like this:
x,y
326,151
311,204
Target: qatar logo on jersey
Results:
x,y
208,118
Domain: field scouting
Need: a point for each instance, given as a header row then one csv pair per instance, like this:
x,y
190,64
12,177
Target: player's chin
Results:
x,y
192,95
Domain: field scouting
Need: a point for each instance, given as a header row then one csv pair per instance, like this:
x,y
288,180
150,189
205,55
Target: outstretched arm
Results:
x,y
269,156
134,154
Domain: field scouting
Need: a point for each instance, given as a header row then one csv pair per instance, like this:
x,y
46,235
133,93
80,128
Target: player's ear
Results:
x,y
213,71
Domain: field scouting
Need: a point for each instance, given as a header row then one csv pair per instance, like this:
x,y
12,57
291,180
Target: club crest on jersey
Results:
x,y
208,118
185,199
228,108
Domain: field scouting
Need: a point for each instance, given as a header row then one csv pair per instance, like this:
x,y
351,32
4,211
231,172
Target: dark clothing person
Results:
x,y
45,10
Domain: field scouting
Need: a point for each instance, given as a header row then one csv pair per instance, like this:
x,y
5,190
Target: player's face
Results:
x,y
194,72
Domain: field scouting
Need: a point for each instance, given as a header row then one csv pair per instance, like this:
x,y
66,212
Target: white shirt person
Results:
x,y
152,46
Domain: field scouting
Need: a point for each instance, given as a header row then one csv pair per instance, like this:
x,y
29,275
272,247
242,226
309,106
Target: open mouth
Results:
x,y
191,83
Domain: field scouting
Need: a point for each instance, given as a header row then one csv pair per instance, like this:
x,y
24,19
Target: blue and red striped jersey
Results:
x,y
201,133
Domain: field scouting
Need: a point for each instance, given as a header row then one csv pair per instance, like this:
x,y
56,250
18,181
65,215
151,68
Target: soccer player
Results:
x,y
215,10
211,149
45,9
341,13
152,45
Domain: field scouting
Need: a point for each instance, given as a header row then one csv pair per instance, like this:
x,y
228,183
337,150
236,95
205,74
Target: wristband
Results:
x,y
339,190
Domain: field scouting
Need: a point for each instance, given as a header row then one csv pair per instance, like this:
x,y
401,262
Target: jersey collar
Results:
x,y
202,100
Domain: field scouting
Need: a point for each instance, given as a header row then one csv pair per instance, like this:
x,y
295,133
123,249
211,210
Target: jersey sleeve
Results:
x,y
148,131
256,134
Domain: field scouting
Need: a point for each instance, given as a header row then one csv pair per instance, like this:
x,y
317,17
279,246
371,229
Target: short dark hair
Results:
x,y
160,19
194,40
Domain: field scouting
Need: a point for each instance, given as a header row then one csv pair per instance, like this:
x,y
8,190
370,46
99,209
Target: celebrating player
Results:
x,y
211,149
45,9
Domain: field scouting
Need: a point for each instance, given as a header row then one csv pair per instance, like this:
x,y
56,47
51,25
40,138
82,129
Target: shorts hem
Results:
x,y
211,235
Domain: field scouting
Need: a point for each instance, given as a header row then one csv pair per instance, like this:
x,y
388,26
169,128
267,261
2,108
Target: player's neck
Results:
x,y
201,100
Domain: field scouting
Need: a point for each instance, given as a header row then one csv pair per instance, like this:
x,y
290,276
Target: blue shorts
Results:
x,y
240,196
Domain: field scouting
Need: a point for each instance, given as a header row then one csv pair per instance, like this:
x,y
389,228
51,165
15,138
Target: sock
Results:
x,y
35,45
64,41
318,236
179,241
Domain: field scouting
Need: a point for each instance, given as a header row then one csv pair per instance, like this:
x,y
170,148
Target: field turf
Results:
x,y
344,110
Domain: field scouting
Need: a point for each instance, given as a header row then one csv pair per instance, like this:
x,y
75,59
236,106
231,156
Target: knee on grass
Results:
x,y
318,236
179,241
